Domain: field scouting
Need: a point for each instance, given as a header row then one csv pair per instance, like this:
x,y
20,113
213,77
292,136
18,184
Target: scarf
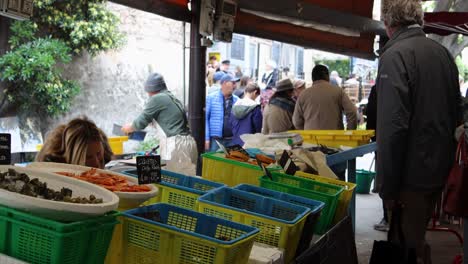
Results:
x,y
286,104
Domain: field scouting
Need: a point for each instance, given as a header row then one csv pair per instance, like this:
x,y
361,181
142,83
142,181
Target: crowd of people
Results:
x,y
415,109
236,105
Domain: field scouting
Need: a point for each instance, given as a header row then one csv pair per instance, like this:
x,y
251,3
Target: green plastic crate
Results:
x,y
327,193
40,241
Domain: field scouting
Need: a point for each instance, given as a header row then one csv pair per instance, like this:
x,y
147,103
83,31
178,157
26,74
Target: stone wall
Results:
x,y
112,83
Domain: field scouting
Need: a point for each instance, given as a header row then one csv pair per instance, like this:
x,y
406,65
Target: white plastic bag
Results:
x,y
183,154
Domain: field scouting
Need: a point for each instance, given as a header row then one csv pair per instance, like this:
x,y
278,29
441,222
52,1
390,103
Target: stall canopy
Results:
x,y
337,26
445,23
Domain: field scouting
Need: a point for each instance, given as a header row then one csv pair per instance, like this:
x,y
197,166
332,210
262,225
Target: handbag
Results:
x,y
456,192
388,252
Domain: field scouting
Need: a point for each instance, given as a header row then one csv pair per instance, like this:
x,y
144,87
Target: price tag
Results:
x,y
148,169
288,164
5,149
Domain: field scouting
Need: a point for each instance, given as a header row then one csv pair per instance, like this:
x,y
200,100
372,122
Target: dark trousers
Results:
x,y
417,210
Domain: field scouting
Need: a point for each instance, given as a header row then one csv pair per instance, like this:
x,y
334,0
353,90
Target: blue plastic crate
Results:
x,y
280,223
315,207
181,236
180,190
182,182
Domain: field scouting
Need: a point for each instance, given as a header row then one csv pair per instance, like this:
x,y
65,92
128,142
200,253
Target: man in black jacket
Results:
x,y
417,112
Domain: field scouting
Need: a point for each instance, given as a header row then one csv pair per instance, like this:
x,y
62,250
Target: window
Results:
x,y
238,47
253,59
276,52
300,63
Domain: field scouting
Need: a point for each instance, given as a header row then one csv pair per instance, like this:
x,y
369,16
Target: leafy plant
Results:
x,y
341,66
83,25
58,30
33,81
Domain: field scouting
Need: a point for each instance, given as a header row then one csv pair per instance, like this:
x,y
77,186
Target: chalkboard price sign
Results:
x,y
149,169
5,149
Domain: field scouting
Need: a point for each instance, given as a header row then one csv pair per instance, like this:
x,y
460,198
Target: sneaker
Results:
x,y
382,226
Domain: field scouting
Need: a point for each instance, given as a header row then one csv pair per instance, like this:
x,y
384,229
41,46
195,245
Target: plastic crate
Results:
x,y
345,197
230,172
184,236
327,193
336,138
314,206
178,189
41,241
280,222
116,144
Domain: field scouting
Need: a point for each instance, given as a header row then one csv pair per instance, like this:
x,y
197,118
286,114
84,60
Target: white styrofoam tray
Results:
x,y
128,200
55,210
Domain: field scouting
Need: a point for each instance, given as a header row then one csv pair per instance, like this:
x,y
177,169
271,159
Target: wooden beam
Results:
x,y
174,9
252,25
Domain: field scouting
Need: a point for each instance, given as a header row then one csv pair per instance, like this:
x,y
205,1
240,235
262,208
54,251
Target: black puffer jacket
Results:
x,y
419,107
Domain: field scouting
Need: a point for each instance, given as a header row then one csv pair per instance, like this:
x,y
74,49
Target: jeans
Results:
x,y
214,146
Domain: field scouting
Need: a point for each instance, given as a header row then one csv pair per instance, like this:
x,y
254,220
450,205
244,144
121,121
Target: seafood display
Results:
x,y
109,181
17,182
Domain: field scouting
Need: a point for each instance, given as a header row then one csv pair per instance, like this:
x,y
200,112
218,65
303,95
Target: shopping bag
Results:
x,y
455,193
388,252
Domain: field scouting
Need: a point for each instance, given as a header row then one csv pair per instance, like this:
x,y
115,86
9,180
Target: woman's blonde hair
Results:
x,y
400,13
69,143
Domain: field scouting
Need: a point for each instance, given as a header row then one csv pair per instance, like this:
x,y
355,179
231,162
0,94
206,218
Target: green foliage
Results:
x,y
462,68
33,81
341,66
148,144
58,30
83,25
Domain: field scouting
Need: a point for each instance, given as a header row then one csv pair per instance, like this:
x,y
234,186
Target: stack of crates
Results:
x,y
343,200
42,241
326,193
230,172
280,223
164,233
314,206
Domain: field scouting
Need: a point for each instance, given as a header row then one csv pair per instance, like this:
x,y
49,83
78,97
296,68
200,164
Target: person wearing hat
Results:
x,y
321,107
217,82
225,65
299,87
277,116
218,111
167,114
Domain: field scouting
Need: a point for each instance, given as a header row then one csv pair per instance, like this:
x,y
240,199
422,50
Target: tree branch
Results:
x,y
443,5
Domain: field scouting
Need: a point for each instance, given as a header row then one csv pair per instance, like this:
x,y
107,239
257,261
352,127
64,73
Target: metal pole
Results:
x,y
197,91
184,63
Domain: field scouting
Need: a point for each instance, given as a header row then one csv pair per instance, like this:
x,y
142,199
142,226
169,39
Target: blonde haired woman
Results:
x,y
78,142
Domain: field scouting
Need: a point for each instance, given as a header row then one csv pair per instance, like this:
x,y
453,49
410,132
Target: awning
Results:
x,y
337,26
446,23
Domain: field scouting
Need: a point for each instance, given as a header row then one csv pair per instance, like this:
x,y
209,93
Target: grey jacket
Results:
x,y
418,111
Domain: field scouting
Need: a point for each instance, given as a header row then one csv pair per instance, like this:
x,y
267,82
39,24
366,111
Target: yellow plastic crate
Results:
x,y
345,197
230,172
336,138
280,223
184,236
116,144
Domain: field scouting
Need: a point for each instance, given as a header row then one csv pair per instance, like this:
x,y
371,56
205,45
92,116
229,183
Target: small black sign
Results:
x,y
149,169
288,164
5,149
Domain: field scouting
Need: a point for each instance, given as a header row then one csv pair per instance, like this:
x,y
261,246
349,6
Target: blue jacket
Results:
x,y
214,114
246,118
